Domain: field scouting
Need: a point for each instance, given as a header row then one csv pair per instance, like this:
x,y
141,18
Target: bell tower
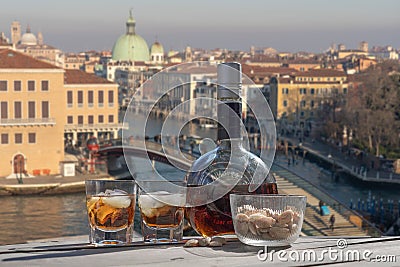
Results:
x,y
15,32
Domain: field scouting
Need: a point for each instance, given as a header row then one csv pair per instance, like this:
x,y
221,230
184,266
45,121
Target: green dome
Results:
x,y
157,48
130,46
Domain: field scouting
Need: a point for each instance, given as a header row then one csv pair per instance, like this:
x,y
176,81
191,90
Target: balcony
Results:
x,y
98,127
27,122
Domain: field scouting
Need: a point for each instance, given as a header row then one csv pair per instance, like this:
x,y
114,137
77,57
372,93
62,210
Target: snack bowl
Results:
x,y
267,220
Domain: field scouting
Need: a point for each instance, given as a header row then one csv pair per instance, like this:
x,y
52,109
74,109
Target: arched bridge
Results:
x,y
113,151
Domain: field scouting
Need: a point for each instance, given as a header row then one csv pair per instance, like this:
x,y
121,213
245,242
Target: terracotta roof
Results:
x,y
303,61
255,69
10,59
81,77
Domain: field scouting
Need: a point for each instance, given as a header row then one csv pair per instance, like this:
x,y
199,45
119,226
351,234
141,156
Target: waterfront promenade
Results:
x,y
46,185
342,161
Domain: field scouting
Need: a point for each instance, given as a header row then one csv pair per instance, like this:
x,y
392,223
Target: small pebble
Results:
x,y
203,242
192,243
219,239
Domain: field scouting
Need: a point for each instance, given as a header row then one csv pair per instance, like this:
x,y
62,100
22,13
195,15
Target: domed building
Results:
x,y
130,46
28,38
157,53
33,46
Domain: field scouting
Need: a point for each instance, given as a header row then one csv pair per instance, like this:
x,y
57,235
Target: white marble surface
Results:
x,y
306,251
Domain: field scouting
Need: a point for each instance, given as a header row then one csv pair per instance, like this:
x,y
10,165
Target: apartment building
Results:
x,y
91,107
31,120
43,107
296,99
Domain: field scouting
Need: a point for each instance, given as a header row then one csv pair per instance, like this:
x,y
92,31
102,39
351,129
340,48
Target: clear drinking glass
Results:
x,y
111,208
267,220
161,221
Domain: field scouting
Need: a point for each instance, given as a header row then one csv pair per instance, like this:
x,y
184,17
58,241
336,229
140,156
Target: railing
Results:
x,y
68,127
151,146
34,121
337,205
349,165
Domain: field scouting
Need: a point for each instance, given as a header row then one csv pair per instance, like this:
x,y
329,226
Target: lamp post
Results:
x,y
332,160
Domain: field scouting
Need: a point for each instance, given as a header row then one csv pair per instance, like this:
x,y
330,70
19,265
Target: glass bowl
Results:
x,y
267,220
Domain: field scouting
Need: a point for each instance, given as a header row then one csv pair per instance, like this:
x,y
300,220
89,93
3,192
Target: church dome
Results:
x,y
130,46
157,48
28,38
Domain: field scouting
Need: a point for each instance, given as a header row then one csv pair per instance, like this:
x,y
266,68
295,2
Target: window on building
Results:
x,y
90,98
312,91
70,119
17,86
45,85
18,138
4,110
80,99
303,103
31,138
101,98
4,138
90,119
31,85
69,99
302,114
80,119
45,110
31,109
110,118
311,113
110,98
344,90
285,103
312,103
101,119
303,91
17,110
3,85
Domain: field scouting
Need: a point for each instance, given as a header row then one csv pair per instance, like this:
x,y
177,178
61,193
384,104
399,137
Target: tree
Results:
x,y
372,109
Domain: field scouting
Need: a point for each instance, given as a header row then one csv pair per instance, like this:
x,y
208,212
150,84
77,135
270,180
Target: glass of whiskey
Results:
x,y
161,219
111,208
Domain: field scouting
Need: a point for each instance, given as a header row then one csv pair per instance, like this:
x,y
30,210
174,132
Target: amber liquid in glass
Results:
x,y
163,217
107,217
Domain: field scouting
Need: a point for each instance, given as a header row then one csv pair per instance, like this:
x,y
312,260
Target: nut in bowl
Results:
x,y
267,220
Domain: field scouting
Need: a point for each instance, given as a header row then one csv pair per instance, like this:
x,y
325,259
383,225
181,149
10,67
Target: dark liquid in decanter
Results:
x,y
215,218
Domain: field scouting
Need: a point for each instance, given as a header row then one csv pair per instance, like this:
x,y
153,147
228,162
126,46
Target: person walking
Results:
x,y
332,222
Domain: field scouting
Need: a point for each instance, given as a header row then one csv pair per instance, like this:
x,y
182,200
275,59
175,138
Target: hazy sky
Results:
x,y
286,25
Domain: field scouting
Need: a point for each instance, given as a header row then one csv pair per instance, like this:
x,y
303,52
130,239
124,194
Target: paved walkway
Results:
x,y
349,163
314,223
51,184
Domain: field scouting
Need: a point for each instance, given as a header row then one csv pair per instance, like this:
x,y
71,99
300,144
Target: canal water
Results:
x,y
24,218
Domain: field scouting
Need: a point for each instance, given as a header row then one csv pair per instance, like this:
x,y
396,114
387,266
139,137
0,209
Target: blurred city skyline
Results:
x,y
291,26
